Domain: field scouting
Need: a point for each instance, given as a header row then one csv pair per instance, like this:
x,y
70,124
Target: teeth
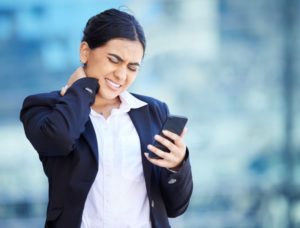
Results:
x,y
113,84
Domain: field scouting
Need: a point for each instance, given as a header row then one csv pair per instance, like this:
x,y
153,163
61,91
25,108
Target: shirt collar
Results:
x,y
129,101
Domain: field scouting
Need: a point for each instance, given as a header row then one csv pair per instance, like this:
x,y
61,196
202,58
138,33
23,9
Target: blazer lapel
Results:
x,y
90,136
141,120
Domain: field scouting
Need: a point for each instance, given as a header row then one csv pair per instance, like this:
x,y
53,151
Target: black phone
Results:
x,y
173,123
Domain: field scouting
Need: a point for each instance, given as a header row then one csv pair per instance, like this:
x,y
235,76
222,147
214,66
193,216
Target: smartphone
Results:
x,y
173,123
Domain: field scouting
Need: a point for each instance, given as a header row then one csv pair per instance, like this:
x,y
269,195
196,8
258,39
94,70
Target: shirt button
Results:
x,y
172,181
152,203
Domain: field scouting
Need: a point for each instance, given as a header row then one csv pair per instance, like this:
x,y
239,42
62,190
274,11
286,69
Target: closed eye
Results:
x,y
133,68
113,59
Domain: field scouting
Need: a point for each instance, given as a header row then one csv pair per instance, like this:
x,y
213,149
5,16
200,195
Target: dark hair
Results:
x,y
112,24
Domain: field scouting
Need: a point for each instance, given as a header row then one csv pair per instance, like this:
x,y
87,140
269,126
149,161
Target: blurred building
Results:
x,y
231,66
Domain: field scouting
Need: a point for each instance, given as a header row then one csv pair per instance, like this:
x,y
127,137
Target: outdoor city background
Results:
x,y
231,66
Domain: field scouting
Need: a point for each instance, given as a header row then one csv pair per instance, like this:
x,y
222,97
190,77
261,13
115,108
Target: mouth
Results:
x,y
112,85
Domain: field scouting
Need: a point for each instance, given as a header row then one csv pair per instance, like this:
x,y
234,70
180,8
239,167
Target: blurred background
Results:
x,y
231,66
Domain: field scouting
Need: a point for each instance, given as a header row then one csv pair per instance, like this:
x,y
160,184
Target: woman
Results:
x,y
92,137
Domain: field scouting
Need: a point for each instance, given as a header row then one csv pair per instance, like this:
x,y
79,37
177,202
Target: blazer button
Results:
x,y
172,181
152,203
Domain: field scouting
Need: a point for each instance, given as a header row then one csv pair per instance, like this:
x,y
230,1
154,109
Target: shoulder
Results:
x,y
41,99
49,95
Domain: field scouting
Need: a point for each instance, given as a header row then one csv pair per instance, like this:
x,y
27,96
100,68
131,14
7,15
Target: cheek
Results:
x,y
98,69
131,78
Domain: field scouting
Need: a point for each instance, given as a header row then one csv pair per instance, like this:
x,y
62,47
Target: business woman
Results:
x,y
92,137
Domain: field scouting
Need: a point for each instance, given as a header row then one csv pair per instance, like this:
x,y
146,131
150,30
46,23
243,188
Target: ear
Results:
x,y
84,52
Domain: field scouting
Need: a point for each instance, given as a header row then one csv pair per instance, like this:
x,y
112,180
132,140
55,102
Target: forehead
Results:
x,y
128,50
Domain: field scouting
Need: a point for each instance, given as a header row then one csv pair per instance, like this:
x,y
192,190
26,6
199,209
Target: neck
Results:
x,y
102,102
104,106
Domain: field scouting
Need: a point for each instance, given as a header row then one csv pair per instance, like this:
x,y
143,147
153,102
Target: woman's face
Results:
x,y
115,65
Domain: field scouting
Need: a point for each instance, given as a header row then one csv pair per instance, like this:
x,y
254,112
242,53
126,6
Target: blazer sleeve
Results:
x,y
53,123
176,187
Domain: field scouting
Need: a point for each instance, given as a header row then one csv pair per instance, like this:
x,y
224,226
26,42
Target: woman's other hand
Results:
x,y
174,159
77,74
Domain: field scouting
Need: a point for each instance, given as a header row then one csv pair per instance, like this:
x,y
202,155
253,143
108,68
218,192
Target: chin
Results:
x,y
110,95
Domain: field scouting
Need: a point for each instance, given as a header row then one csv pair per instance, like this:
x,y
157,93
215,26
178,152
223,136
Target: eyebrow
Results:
x,y
122,60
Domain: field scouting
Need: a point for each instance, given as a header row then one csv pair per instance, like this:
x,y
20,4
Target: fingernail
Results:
x,y
165,132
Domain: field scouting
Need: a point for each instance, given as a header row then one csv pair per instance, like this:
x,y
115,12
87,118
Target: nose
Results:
x,y
120,73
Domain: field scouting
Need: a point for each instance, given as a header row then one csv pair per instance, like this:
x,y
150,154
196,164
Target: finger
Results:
x,y
171,135
178,140
81,71
63,90
163,162
158,152
77,74
158,162
170,145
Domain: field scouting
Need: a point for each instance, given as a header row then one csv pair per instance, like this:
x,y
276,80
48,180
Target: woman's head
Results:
x,y
111,24
111,50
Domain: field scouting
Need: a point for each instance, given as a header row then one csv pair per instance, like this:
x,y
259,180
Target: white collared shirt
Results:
x,y
118,196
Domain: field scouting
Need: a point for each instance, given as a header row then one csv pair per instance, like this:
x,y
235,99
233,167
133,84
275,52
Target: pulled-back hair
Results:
x,y
112,24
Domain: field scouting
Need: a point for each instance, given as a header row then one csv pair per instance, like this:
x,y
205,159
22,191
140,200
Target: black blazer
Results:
x,y
61,132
